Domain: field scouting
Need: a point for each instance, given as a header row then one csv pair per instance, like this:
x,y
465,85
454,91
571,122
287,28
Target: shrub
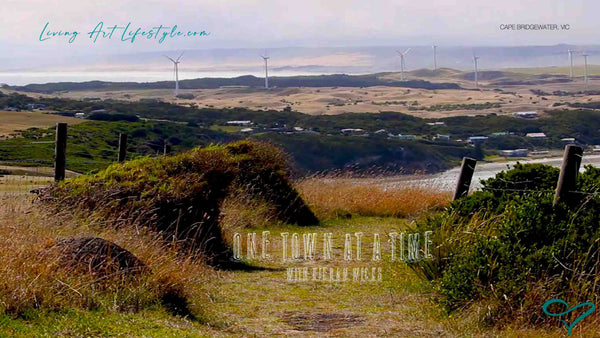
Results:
x,y
515,250
180,196
186,96
113,117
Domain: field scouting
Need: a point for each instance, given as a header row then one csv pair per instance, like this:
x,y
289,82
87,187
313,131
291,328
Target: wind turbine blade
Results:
x,y
180,55
406,51
169,58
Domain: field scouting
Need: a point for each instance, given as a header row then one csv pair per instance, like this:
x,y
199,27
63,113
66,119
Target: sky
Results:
x,y
268,24
284,23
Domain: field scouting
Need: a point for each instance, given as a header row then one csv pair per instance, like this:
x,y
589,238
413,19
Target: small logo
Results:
x,y
577,320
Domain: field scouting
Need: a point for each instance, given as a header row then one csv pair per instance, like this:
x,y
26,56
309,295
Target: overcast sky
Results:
x,y
279,23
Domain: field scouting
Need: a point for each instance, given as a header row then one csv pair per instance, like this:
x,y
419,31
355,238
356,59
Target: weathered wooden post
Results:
x,y
568,172
60,152
165,148
122,147
464,180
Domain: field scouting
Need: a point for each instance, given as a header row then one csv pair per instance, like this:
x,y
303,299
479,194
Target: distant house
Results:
x,y
11,109
536,135
436,123
97,111
351,130
514,153
246,130
80,115
568,139
239,123
441,137
406,137
477,139
527,114
499,134
32,106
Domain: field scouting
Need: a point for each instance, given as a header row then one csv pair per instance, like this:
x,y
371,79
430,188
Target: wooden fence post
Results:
x,y
122,147
60,152
464,180
568,172
165,148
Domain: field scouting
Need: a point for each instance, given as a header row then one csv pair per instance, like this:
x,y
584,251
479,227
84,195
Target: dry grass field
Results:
x,y
337,100
339,197
578,70
11,121
334,100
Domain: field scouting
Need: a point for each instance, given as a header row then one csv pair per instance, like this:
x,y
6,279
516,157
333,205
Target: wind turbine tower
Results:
x,y
585,68
176,70
402,62
571,62
475,58
266,71
434,58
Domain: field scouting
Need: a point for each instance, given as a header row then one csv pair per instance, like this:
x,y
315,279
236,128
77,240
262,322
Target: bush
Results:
x,y
180,196
186,96
113,117
513,251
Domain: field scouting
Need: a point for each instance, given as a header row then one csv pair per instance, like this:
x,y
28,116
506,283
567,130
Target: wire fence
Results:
x,y
21,174
541,191
16,185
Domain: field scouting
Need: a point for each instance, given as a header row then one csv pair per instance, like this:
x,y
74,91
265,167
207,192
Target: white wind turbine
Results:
x,y
434,57
176,69
402,62
266,58
475,58
571,63
585,67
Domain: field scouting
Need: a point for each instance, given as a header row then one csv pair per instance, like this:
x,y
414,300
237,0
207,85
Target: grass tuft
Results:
x,y
346,197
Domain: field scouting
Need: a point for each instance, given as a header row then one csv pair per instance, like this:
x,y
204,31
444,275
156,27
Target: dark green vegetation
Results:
x,y
447,107
588,105
510,251
94,145
180,196
337,80
358,154
565,93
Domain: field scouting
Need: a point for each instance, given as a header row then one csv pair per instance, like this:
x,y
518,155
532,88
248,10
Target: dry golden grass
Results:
x,y
19,184
21,120
32,277
342,197
338,100
335,100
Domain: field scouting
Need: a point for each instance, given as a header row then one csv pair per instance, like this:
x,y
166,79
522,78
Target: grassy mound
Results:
x,y
180,196
504,251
